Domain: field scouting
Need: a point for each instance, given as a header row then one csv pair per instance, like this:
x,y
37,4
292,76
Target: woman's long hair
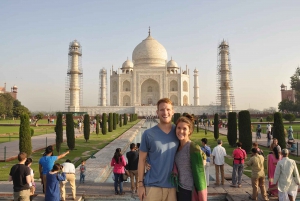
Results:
x,y
275,151
117,155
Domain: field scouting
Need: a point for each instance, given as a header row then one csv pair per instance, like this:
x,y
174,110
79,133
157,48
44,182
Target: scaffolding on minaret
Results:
x,y
74,76
102,99
225,100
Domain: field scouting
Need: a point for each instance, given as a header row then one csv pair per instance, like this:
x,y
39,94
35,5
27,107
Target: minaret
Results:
x,y
102,87
196,88
225,84
75,76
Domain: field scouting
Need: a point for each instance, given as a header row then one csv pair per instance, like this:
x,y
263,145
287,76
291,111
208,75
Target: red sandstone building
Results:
x,y
287,94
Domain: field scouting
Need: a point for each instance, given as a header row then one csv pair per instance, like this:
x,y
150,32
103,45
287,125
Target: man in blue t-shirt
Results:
x,y
158,147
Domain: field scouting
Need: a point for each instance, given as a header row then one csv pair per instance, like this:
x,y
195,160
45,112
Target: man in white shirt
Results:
x,y
218,154
287,176
69,170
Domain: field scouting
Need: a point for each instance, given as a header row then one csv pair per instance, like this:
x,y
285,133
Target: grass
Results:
x,y
83,150
17,121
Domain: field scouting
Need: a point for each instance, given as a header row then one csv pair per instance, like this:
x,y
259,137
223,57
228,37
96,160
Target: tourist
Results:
x,y
239,155
138,146
218,154
20,176
259,151
132,167
119,163
206,149
69,170
258,131
47,162
275,144
287,176
256,163
54,177
273,159
82,169
190,161
290,134
269,134
28,163
155,141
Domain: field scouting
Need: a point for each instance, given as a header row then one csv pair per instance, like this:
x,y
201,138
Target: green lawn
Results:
x,y
17,121
83,150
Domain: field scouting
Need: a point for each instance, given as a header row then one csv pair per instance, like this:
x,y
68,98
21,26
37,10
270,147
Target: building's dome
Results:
x,y
75,43
224,42
15,87
172,63
127,64
149,52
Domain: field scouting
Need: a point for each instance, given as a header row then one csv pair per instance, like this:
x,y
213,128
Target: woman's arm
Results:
x,y
62,155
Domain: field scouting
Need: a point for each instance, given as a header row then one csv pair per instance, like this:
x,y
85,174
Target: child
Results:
x,y
82,172
32,184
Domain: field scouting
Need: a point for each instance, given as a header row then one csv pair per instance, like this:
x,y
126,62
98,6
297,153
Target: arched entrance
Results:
x,y
149,92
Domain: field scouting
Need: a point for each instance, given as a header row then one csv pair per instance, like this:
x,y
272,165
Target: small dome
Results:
x,y
15,87
75,43
224,42
127,64
282,85
196,71
150,52
172,63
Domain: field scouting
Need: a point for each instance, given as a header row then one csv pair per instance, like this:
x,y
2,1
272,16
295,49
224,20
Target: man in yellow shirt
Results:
x,y
258,175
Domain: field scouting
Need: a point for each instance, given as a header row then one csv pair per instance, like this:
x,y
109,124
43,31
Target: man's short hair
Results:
x,y
239,144
285,152
254,144
68,161
132,146
254,150
22,156
164,100
219,141
204,140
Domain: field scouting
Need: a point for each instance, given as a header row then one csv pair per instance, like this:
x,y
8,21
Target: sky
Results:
x,y
264,40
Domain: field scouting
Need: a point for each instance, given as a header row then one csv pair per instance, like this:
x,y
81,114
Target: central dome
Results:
x,y
149,52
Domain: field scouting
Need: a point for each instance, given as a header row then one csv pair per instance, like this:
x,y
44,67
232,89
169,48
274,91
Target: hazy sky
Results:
x,y
264,39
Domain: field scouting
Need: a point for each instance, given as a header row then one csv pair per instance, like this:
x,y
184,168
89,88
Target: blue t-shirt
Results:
x,y
47,163
161,149
206,149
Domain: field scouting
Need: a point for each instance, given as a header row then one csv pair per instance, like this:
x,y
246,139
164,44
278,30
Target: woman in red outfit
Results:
x,y
119,163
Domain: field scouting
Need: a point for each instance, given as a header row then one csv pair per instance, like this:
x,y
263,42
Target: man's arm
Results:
x,y
9,178
41,170
296,173
249,163
277,173
62,155
28,179
141,173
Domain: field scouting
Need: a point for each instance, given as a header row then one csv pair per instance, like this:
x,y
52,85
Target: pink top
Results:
x,y
119,168
239,156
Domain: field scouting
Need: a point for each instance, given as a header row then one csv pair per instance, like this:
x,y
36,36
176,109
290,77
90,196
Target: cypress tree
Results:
x,y
86,127
216,126
176,117
278,130
25,135
245,133
97,124
197,123
232,129
114,121
70,131
104,124
59,132
117,116
110,123
120,121
125,119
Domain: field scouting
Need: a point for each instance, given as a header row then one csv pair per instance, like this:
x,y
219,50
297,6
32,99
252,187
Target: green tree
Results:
x,y
86,127
97,124
232,129
70,131
176,117
125,119
110,122
6,108
120,121
289,117
117,114
25,135
216,126
104,124
287,105
278,129
38,116
270,117
245,133
59,132
114,121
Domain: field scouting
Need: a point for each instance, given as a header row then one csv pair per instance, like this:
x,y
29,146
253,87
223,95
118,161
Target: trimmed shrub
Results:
x,y
117,116
97,124
245,133
104,124
110,122
216,127
278,130
70,131
59,132
120,121
125,119
114,121
86,127
232,129
25,135
176,117
289,117
31,132
197,123
270,117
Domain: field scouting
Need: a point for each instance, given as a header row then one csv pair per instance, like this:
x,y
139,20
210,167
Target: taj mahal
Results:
x,y
142,81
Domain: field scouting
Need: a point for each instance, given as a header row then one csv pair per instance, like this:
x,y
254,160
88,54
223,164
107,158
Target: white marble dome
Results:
x,y
127,64
75,43
149,52
172,63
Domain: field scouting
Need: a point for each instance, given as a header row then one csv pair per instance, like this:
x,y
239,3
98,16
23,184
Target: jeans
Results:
x,y
183,194
237,172
82,176
118,182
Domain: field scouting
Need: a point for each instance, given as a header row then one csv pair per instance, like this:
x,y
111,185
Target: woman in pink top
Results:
x,y
273,158
119,163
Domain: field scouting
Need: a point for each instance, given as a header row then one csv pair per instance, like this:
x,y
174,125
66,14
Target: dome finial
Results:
x,y
149,31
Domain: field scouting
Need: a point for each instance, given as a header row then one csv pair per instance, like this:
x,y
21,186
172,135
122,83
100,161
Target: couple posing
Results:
x,y
163,145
